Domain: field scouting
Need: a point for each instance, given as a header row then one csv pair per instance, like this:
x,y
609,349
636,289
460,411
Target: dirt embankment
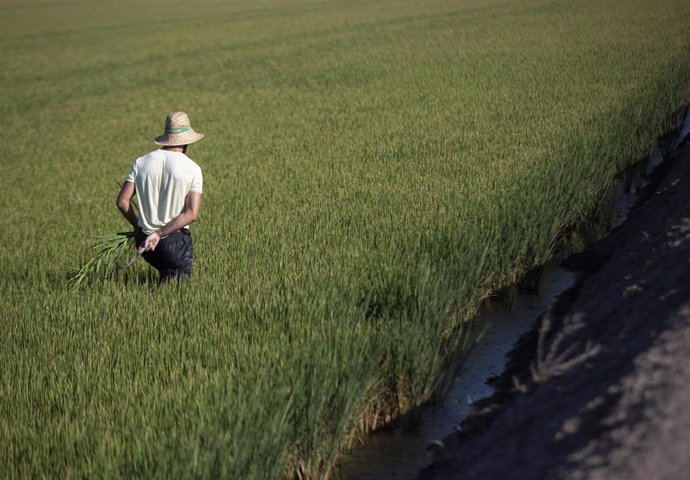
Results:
x,y
601,389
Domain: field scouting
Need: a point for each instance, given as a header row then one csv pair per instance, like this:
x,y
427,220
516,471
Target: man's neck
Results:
x,y
180,149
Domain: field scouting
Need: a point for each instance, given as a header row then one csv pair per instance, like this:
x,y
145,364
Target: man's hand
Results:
x,y
151,241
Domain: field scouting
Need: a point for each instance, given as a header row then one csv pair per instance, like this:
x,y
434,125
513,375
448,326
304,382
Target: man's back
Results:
x,y
163,178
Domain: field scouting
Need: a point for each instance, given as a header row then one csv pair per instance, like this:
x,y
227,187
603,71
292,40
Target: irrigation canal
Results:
x,y
397,454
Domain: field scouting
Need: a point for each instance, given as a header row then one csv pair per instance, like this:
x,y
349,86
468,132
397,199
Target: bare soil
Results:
x,y
600,389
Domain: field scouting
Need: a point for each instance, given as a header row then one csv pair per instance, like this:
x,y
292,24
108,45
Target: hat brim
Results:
x,y
178,139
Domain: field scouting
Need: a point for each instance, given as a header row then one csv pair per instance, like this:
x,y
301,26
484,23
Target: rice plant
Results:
x,y
110,249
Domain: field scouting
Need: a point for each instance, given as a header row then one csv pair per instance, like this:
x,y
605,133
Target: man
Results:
x,y
168,185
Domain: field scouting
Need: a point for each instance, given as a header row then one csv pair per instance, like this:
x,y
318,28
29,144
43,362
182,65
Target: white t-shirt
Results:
x,y
162,179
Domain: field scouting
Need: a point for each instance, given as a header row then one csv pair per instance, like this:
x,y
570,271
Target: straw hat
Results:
x,y
178,131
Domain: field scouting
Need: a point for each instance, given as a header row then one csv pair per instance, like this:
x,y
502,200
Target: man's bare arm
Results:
x,y
124,203
189,214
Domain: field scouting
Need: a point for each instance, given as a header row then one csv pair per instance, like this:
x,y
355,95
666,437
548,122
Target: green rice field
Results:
x,y
373,169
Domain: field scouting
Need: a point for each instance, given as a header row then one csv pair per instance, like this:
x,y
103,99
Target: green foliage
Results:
x,y
372,170
109,249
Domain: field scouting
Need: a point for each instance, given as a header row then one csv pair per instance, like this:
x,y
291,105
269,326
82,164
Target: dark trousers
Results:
x,y
172,257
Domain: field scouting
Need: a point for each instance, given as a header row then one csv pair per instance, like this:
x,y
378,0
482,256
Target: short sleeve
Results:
x,y
197,184
132,175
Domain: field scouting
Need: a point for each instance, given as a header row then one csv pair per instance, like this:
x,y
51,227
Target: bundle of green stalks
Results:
x,y
109,249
